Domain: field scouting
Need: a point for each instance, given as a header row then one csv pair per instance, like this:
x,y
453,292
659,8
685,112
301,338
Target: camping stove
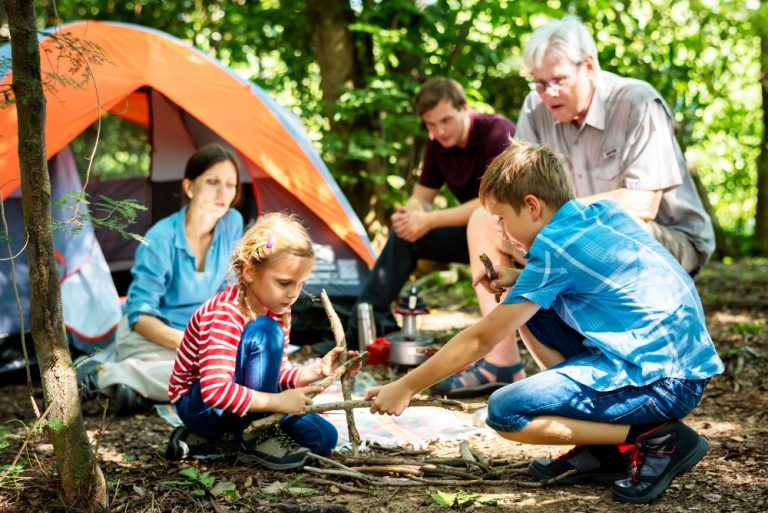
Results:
x,y
409,346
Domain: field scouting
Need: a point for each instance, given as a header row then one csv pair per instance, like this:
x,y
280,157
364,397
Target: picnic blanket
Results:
x,y
417,427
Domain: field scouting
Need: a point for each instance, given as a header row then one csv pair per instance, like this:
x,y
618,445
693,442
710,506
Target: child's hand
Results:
x,y
330,362
507,277
389,399
293,401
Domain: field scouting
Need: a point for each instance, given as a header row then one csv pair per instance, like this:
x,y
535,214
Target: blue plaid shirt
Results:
x,y
637,308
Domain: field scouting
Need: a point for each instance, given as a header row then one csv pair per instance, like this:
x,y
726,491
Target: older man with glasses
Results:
x,y
617,135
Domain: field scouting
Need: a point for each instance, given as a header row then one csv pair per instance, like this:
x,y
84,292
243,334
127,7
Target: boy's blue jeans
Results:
x,y
259,356
511,408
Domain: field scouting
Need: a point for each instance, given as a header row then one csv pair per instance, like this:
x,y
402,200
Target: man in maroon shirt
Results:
x,y
461,145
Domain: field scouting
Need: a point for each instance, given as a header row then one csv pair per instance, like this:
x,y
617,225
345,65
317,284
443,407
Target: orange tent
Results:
x,y
185,99
141,66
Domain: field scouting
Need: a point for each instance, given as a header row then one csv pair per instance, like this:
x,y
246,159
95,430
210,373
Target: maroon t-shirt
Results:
x,y
461,168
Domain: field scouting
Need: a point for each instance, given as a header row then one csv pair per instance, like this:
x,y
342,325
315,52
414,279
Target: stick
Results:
x,y
346,390
329,461
562,476
267,421
480,456
490,272
411,470
501,474
424,465
469,458
341,486
335,472
309,508
443,470
448,404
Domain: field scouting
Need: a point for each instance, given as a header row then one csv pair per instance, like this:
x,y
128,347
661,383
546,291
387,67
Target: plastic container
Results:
x,y
378,352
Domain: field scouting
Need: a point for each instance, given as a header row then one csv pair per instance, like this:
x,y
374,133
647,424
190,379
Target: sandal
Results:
x,y
471,382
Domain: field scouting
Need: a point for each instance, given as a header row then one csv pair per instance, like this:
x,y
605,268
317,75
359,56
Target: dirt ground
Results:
x,y
733,415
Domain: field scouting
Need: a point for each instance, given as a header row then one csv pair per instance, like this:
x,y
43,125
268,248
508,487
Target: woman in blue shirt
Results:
x,y
184,263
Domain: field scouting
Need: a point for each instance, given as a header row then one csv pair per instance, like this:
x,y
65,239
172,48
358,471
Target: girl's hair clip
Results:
x,y
270,241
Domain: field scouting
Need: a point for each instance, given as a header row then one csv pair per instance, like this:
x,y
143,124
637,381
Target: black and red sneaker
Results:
x,y
659,455
600,463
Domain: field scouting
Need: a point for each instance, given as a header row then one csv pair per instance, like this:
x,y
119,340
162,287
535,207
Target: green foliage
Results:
x,y
11,475
200,482
461,499
701,55
746,328
116,215
123,149
57,425
5,437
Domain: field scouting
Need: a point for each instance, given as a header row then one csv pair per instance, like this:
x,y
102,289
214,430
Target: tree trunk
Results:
x,y
82,483
341,68
761,212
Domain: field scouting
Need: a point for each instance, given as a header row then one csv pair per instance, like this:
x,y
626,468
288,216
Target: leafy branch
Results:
x,y
107,213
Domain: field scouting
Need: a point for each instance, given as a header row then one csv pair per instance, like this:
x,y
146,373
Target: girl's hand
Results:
x,y
330,362
390,399
293,401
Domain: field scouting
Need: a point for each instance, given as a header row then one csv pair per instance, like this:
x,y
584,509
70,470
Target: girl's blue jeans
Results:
x,y
259,356
550,393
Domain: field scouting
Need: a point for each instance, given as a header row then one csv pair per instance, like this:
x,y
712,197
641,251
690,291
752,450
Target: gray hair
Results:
x,y
567,38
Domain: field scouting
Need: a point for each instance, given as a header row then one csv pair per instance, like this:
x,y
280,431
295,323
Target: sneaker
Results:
x,y
87,378
274,449
600,463
659,455
184,444
127,401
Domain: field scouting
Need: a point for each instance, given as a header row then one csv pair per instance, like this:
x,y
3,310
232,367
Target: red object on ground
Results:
x,y
378,352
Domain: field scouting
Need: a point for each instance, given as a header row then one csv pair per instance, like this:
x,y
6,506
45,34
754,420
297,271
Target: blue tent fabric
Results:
x,y
91,304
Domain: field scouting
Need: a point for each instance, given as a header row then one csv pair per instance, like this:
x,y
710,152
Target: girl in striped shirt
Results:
x,y
232,367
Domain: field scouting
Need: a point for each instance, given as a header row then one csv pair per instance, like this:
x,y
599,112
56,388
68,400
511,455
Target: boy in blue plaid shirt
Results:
x,y
609,315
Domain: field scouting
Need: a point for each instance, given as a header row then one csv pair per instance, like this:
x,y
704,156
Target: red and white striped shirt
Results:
x,y
208,352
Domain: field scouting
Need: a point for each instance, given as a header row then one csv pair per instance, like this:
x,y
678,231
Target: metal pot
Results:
x,y
411,351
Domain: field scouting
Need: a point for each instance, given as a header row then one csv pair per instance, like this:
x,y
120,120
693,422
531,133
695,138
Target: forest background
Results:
x,y
349,70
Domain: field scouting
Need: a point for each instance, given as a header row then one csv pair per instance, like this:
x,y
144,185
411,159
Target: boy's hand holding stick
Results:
x,y
491,273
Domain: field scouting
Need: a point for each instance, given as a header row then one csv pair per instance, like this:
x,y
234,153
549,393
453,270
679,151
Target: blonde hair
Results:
x,y
272,235
524,168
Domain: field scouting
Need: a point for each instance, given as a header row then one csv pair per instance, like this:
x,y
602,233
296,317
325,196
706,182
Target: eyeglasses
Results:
x,y
554,85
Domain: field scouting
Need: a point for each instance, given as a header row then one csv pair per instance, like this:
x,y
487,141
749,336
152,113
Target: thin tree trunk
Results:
x,y
82,483
341,63
761,212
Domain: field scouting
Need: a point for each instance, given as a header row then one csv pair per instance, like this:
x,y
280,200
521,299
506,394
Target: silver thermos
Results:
x,y
366,326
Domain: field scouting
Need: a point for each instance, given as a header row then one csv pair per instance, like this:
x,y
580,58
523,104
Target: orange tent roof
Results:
x,y
237,110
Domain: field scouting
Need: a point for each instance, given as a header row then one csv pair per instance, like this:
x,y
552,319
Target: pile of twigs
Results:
x,y
384,466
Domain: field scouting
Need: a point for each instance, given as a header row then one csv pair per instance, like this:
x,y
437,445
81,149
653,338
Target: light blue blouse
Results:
x,y
165,282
